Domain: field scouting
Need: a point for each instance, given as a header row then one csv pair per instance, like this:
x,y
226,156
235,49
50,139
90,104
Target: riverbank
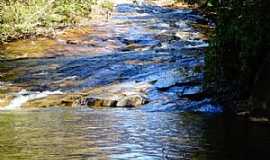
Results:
x,y
39,18
72,38
237,63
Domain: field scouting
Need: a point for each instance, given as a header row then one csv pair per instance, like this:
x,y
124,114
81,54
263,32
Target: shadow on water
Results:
x,y
237,138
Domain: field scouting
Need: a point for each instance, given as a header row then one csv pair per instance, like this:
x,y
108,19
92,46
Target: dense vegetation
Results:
x,y
238,57
20,18
205,4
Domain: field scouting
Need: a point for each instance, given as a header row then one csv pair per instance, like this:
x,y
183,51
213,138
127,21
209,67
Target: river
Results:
x,y
159,50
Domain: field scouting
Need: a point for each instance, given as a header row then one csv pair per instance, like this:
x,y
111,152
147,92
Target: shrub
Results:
x,y
19,18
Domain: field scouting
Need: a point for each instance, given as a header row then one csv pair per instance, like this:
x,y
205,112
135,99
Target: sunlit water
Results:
x,y
126,134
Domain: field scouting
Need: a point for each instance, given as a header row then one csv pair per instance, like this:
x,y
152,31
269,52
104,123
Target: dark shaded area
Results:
x,y
236,138
238,59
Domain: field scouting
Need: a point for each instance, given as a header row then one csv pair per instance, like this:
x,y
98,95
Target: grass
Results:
x,y
23,18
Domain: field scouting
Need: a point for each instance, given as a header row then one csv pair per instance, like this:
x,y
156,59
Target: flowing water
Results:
x,y
139,43
144,43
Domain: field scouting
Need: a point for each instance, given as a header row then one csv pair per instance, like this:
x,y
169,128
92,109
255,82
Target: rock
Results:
x,y
259,119
132,101
54,101
244,113
120,100
130,94
73,42
192,91
183,35
5,100
95,102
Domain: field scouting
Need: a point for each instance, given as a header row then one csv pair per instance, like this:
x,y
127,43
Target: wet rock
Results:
x,y
183,105
119,101
182,25
259,119
89,43
5,100
131,47
132,101
73,42
183,35
168,79
54,101
162,26
129,94
98,102
192,91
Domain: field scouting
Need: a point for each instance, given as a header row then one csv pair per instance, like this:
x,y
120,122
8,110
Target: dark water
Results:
x,y
128,134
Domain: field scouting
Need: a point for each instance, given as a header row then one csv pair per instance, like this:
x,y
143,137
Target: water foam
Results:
x,y
24,96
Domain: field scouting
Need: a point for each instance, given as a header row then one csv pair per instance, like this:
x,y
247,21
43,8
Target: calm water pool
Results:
x,y
127,134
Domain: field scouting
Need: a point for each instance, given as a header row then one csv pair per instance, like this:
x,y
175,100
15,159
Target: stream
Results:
x,y
159,50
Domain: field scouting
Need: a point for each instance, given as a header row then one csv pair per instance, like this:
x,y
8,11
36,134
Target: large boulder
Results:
x,y
130,94
132,101
135,100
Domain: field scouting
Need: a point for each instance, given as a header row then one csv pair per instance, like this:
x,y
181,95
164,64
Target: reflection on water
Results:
x,y
126,134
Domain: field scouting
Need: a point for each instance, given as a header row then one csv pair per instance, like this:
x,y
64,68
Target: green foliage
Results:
x,y
23,17
236,40
107,5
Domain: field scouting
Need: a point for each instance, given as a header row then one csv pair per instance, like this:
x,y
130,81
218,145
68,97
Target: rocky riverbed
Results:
x,y
144,55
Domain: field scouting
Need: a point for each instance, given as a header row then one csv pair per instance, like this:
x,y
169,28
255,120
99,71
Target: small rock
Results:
x,y
73,42
243,113
194,90
259,119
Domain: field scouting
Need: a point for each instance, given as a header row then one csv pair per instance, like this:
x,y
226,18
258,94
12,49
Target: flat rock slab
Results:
x,y
129,94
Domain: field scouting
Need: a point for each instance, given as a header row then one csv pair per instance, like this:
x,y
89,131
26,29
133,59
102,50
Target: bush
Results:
x,y
25,17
